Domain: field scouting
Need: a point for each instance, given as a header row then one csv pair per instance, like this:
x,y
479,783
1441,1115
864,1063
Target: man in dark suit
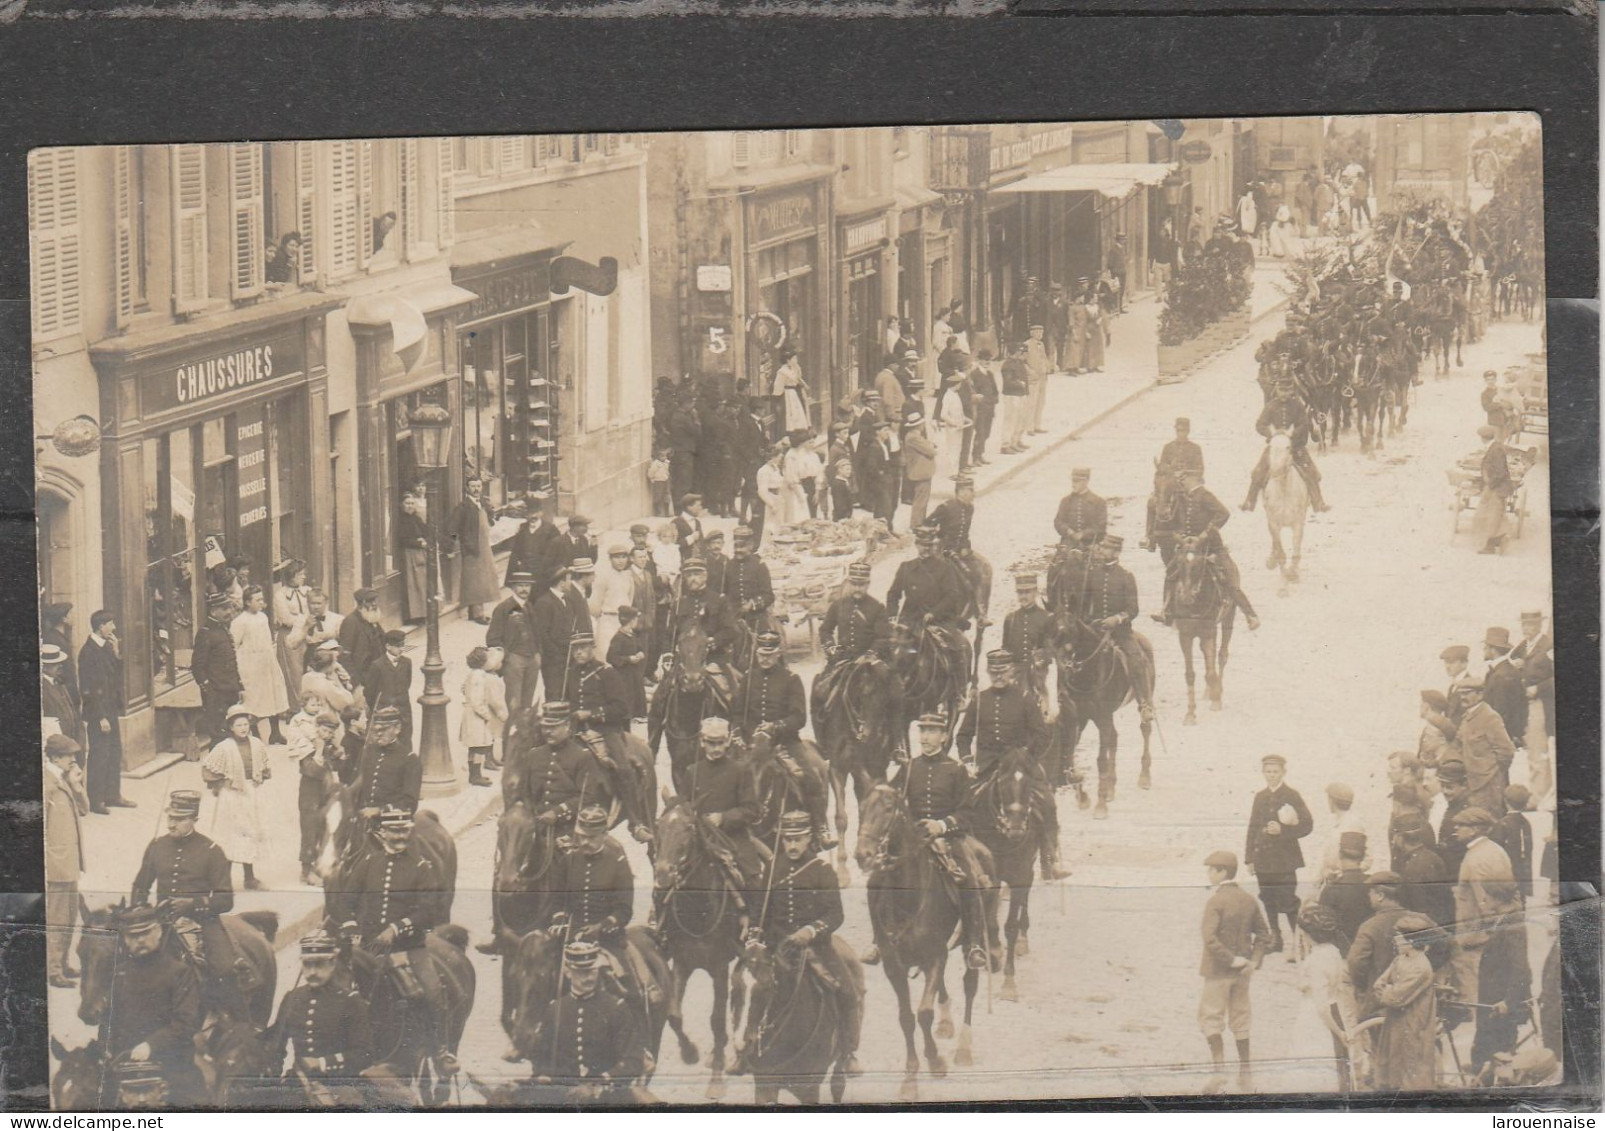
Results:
x,y
1234,940
684,435
1346,894
877,482
555,617
55,697
578,543
1502,685
215,666
983,405
510,630
362,636
58,631
748,449
1425,883
388,681
538,545
100,681
688,523
1277,822
1082,516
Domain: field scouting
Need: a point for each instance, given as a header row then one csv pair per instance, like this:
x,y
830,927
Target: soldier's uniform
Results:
x,y
1005,719
195,868
1286,413
725,786
773,699
565,775
928,585
389,775
1082,516
746,586
679,713
1029,633
718,620
855,624
589,1040
601,703
595,895
1200,515
953,520
1181,453
1111,592
326,1027
154,1000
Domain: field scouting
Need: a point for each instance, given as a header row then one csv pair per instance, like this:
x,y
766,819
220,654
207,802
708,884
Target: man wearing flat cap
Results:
x,y
1453,781
1372,950
216,666
1502,685
578,543
1426,883
1485,892
1485,748
555,616
65,803
1278,820
153,1012
1234,940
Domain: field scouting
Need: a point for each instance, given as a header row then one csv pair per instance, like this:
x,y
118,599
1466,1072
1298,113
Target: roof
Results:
x,y
1115,180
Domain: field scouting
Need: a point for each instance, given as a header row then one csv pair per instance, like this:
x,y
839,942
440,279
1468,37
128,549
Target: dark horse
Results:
x,y
915,917
700,919
221,1056
854,707
1007,825
934,664
1366,387
1204,612
532,980
691,689
795,1043
779,790
1094,683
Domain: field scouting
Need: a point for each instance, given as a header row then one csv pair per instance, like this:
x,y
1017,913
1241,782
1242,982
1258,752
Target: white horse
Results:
x,y
1287,504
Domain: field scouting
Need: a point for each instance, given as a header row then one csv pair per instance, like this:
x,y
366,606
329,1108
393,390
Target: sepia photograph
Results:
x,y
897,614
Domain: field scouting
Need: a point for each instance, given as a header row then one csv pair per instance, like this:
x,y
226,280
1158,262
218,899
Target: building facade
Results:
x,y
253,325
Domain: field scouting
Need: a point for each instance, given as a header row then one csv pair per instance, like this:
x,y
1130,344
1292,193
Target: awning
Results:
x,y
1114,180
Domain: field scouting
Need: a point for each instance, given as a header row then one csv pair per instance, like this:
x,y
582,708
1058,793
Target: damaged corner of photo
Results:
x,y
956,614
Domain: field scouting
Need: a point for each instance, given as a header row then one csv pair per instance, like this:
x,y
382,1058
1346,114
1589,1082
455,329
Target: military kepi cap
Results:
x,y
933,720
319,944
768,643
592,819
796,823
137,917
999,658
395,818
184,803
715,728
555,711
858,571
582,955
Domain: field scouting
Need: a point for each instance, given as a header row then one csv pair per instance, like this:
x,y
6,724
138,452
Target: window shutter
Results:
x,y
245,205
365,200
543,150
412,213
343,238
487,156
188,166
741,148
768,145
446,205
611,143
123,191
514,155
306,206
53,214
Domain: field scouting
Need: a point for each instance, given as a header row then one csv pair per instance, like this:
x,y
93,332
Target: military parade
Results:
x,y
699,796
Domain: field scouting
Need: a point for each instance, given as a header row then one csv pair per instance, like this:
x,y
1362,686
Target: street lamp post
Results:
x,y
431,446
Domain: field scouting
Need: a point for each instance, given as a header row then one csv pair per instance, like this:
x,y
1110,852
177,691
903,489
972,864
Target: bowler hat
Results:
x,y
1497,638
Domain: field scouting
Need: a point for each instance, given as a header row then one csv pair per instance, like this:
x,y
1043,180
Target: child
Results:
x,y
627,656
1514,833
302,729
667,553
657,475
484,714
317,756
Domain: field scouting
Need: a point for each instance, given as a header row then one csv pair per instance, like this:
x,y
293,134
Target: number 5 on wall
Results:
x,y
717,342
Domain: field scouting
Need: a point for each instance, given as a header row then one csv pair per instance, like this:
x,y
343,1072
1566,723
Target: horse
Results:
x,y
915,918
853,709
700,923
351,844
1397,374
691,688
779,791
532,980
1287,505
403,1070
1203,611
795,1043
934,665
1094,683
1162,524
1444,312
1365,388
1007,825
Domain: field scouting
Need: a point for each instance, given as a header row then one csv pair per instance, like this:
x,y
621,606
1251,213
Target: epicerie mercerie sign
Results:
x,y
219,375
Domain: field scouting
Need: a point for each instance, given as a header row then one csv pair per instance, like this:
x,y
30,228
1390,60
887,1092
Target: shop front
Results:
x,y
215,454
864,287
785,306
407,356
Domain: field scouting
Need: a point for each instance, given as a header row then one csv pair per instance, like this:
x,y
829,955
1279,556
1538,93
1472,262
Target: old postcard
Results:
x,y
947,614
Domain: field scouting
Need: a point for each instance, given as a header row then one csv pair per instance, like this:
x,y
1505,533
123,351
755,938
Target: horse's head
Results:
x,y
1011,793
516,841
533,976
759,961
691,646
97,959
234,1050
75,1085
881,819
678,839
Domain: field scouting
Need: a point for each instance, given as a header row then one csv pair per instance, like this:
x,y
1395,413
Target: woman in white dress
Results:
x,y
792,390
614,586
771,485
289,618
1282,233
802,470
952,418
232,771
264,694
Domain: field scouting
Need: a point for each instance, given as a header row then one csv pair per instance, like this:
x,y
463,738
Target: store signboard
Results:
x,y
222,372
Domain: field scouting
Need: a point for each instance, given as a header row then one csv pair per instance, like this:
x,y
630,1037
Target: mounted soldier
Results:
x,y
855,623
154,1013
1200,515
1029,632
772,704
1286,413
1181,453
1111,605
746,586
953,521
1082,517
929,588
697,602
600,711
565,772
1006,718
325,1024
390,774
800,914
590,1041
194,888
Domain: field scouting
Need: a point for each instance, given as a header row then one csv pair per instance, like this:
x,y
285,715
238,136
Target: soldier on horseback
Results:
x,y
929,588
390,902
1200,515
1110,603
801,913
1005,718
747,587
855,624
771,704
565,772
591,1042
600,709
1031,634
390,773
697,602
595,891
953,520
194,889
1181,453
325,1024
1082,517
1286,413
154,1011
937,791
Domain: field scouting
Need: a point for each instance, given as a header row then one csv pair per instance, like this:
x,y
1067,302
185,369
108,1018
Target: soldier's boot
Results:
x,y
848,1021
1256,482
1245,1075
944,854
1165,615
1137,665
